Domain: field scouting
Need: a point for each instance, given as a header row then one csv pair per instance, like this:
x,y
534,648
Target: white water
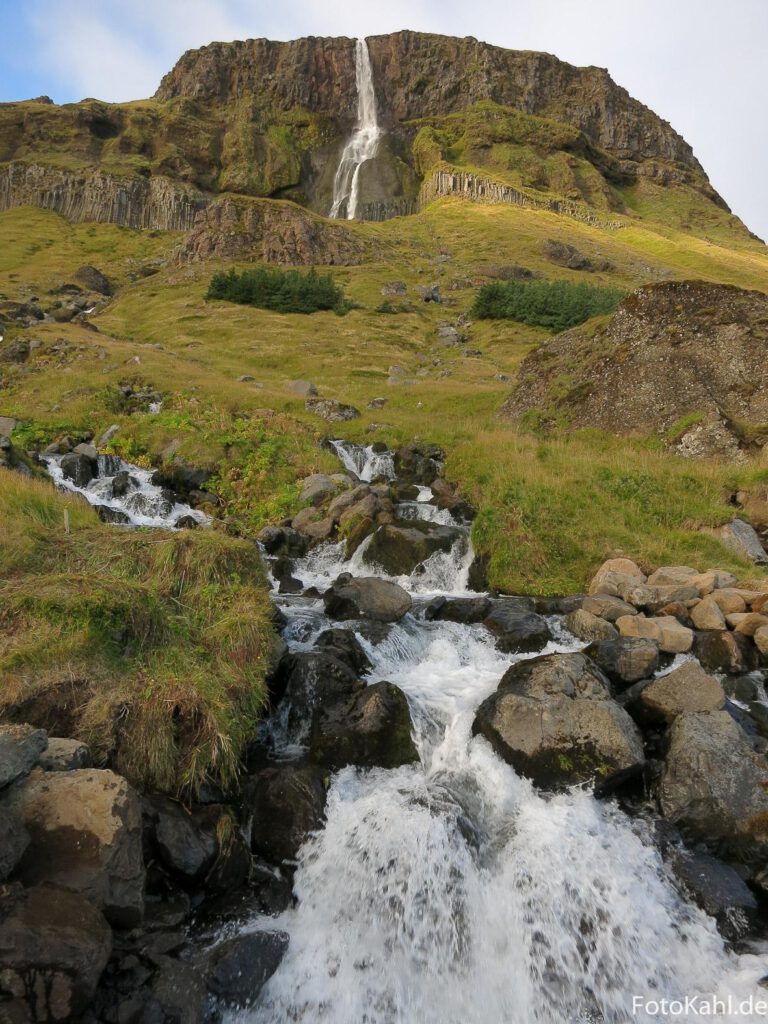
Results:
x,y
363,142
364,462
144,503
453,892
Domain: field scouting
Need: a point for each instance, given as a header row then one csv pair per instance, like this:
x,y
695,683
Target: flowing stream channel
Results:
x,y
452,891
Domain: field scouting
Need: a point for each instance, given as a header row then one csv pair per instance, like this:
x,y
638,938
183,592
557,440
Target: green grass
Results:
x,y
164,637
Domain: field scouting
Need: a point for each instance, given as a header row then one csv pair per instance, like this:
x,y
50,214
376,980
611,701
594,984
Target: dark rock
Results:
x,y
687,688
236,970
516,631
186,522
232,867
20,749
566,255
718,890
77,468
558,605
552,719
54,946
185,842
15,351
14,839
282,540
282,573
722,651
180,478
331,410
743,688
458,609
366,597
64,755
417,464
477,578
286,802
626,660
178,995
372,728
116,516
309,679
714,786
94,280
343,645
399,548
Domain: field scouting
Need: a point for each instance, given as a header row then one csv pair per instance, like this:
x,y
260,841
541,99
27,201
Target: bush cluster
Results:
x,y
283,291
555,305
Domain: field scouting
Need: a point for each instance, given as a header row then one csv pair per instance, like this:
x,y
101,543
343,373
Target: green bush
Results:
x,y
555,305
283,291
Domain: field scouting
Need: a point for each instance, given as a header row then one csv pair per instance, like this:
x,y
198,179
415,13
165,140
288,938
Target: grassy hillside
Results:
x,y
549,513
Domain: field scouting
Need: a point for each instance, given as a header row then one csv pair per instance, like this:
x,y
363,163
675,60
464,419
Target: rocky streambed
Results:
x,y
464,806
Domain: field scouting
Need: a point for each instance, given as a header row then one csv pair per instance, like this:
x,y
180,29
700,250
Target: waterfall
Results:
x,y
363,142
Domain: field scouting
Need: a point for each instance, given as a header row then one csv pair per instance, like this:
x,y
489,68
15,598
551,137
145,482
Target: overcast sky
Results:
x,y
700,64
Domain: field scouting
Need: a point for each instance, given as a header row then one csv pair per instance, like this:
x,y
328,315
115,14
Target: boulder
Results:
x,y
418,464
672,576
723,651
343,645
671,636
282,540
729,600
313,523
714,579
718,889
85,836
107,514
286,803
552,719
282,574
77,468
516,631
94,280
607,607
313,678
88,450
331,410
236,970
708,615
14,840
304,388
54,946
626,660
318,488
186,522
687,688
20,749
398,548
714,786
458,609
743,540
761,639
185,842
750,622
366,597
371,728
589,627
62,755
557,605
614,572
178,994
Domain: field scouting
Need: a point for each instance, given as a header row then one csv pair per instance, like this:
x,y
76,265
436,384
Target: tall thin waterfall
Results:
x,y
363,142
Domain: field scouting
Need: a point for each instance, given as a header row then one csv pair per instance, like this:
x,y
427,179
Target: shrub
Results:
x,y
555,305
283,291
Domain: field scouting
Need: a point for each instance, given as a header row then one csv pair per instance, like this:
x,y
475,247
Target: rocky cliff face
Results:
x,y
686,358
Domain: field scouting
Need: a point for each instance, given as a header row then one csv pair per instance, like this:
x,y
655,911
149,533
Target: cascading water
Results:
x,y
453,892
363,142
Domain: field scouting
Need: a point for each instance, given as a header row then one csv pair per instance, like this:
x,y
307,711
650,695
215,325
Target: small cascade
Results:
x,y
366,463
363,142
125,495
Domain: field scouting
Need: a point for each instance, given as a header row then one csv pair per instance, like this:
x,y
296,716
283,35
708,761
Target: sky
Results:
x,y
699,64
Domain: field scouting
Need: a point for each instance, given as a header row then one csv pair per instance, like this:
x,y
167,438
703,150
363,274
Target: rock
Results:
x,y
20,749
477,578
371,728
607,607
88,450
77,468
178,994
107,436
626,660
14,840
93,280
15,351
236,970
305,388
331,410
614,572
286,803
721,651
318,487
418,464
63,755
761,639
54,946
85,832
566,255
729,600
516,631
246,378
742,688
671,636
343,645
586,626
394,288
122,483
672,576
553,720
7,425
687,688
313,678
186,522
714,786
458,609
399,548
707,615
186,842
282,573
366,597
706,582
750,622
282,540
743,540
718,890
107,514
557,605
312,523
